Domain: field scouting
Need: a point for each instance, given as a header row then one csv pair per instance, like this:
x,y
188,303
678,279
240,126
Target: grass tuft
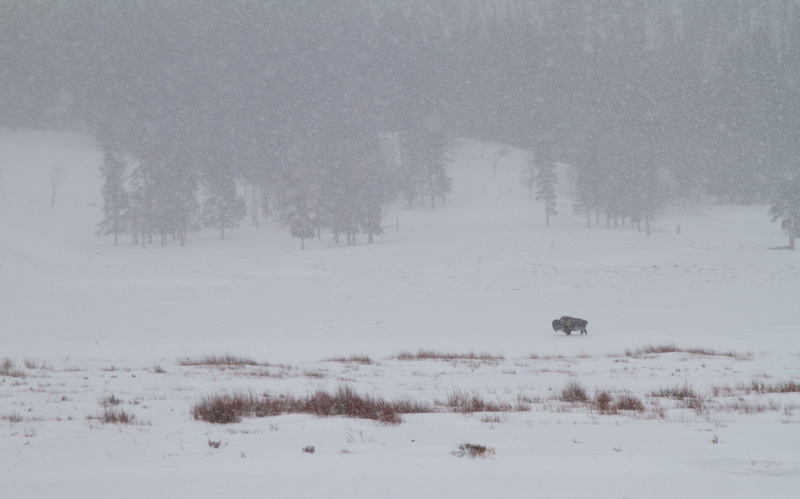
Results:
x,y
115,416
7,368
474,451
677,392
465,403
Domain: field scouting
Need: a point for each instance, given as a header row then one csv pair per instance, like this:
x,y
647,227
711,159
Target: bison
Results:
x,y
570,324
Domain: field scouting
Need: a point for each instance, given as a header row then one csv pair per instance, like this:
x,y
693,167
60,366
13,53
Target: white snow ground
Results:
x,y
82,320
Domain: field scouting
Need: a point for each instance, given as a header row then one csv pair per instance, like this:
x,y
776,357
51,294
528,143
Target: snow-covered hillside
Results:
x,y
83,320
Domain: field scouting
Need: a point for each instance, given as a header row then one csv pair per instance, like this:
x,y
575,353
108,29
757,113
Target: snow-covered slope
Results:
x,y
480,273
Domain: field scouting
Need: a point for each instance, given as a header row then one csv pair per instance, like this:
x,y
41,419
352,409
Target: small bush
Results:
x,y
573,391
603,402
628,403
309,449
473,451
214,444
159,370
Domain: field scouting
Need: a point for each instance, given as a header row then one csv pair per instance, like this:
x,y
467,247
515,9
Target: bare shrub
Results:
x,y
627,402
309,449
158,369
473,451
603,402
214,444
573,391
225,408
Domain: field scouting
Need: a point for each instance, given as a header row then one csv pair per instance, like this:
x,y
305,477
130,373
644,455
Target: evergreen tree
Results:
x,y
300,215
115,197
141,213
786,207
223,207
546,179
529,175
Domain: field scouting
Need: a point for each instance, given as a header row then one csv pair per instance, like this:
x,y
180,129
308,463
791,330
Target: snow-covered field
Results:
x,y
474,284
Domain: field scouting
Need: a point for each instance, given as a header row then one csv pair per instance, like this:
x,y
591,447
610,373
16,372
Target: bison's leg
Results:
x,y
568,331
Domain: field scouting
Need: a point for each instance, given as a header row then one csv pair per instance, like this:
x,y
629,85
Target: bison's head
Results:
x,y
556,325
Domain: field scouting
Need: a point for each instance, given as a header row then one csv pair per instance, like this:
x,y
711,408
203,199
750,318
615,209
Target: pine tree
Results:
x,y
786,206
115,198
529,175
546,179
223,207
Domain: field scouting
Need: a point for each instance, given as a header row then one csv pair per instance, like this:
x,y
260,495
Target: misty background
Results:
x,y
318,113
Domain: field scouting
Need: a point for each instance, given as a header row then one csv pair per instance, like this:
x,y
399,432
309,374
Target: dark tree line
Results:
x,y
287,106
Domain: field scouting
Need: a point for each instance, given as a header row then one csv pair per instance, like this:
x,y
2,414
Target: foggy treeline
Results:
x,y
323,111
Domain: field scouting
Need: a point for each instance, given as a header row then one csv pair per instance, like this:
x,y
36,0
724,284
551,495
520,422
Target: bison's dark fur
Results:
x,y
570,324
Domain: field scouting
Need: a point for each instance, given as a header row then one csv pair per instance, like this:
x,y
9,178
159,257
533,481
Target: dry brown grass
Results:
x,y
677,392
7,368
672,348
448,356
474,451
355,359
111,415
219,361
463,402
345,401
